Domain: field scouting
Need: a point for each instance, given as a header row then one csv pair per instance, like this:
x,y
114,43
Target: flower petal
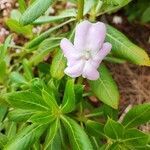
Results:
x,y
68,49
75,70
102,52
95,64
96,36
81,35
90,72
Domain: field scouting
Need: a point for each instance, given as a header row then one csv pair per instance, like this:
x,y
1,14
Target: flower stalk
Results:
x,y
80,10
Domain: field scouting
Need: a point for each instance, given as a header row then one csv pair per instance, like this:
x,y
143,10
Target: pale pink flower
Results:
x,y
88,50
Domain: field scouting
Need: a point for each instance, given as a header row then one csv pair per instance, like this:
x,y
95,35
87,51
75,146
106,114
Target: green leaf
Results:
x,y
11,130
77,136
51,134
3,140
145,17
137,115
28,74
65,14
26,137
4,47
22,5
15,77
3,70
49,99
115,60
68,103
123,48
115,2
88,5
40,55
18,28
34,11
15,15
36,41
109,112
3,111
20,115
58,66
78,89
42,118
94,128
26,100
105,88
113,129
135,138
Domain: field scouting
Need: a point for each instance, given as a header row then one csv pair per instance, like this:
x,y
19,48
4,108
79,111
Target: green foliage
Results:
x,y
58,66
137,115
32,14
41,107
123,48
68,103
18,28
138,10
25,138
114,130
76,133
105,88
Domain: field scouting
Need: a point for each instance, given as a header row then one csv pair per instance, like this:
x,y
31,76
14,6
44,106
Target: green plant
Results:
x,y
42,108
138,10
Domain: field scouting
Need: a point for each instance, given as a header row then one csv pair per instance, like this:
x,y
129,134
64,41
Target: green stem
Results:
x,y
80,9
94,114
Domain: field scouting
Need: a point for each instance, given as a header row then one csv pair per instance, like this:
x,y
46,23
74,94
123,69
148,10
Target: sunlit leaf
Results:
x,y
123,48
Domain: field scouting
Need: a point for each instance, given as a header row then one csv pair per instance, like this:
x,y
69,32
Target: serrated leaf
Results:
x,y
77,136
123,48
58,66
113,129
51,134
26,100
32,14
137,115
26,137
68,103
105,88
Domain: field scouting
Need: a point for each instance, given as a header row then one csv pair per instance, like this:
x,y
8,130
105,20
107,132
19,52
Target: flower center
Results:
x,y
87,55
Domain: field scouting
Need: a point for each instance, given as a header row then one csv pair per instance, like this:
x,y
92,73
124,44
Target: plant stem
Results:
x,y
80,9
94,114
